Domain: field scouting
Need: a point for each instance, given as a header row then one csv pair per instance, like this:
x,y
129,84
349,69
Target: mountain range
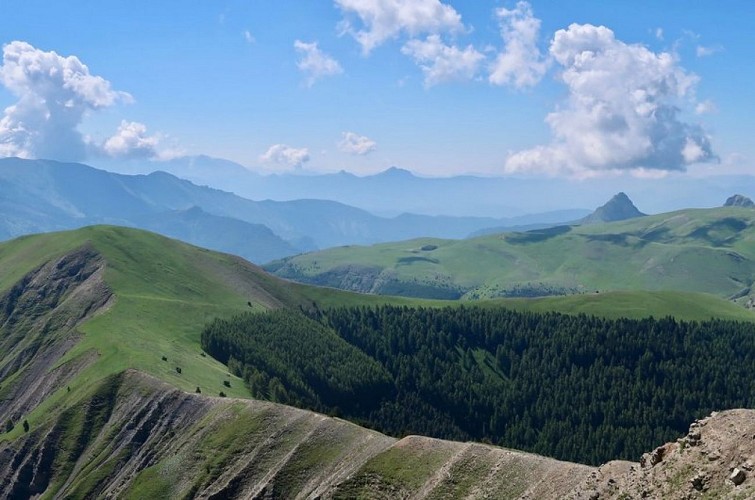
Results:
x,y
41,195
397,190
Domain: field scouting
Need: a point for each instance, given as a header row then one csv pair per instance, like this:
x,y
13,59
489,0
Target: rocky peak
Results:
x,y
739,200
620,207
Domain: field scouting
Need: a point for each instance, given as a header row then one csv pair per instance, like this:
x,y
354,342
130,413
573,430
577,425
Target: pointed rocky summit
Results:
x,y
739,200
620,207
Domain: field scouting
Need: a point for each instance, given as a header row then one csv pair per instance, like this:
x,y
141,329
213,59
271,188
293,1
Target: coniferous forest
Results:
x,y
578,388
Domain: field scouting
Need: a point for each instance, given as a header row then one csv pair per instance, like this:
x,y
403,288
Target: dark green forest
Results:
x,y
577,388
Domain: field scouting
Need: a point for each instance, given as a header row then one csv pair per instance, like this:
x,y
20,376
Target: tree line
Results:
x,y
574,387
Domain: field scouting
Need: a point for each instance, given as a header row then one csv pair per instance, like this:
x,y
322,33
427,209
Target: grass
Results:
x,y
166,291
689,306
389,470
161,305
706,251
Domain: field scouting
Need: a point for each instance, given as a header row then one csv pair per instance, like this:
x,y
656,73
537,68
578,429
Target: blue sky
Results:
x,y
642,88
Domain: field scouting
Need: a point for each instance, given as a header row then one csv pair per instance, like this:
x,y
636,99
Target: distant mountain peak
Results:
x,y
739,200
396,172
620,207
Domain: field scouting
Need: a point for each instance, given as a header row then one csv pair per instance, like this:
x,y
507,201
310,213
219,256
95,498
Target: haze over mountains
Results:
x,y
397,190
40,195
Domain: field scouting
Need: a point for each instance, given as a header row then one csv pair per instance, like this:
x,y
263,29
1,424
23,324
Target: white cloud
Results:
x,y
131,141
705,107
282,154
692,152
520,63
702,51
249,37
385,19
54,93
443,63
622,112
314,63
356,144
659,33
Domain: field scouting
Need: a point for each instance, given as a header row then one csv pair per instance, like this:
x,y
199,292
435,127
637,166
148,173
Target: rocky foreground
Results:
x,y
138,437
714,460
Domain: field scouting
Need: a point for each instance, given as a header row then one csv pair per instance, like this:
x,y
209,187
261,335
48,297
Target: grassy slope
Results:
x,y
165,292
709,251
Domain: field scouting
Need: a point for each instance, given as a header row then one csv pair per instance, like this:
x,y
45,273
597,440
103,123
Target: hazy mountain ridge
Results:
x,y
397,190
40,195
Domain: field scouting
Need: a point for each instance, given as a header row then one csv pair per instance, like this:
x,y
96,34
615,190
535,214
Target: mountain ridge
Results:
x,y
42,195
462,195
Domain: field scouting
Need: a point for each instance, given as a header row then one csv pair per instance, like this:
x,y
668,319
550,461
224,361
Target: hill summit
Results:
x,y
620,207
739,200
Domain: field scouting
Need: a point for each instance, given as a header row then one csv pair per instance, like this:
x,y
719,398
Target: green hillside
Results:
x,y
705,250
101,356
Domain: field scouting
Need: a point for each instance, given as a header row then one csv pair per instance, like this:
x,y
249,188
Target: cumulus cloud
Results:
x,y
287,156
382,20
54,94
443,63
520,63
131,141
314,63
249,37
622,112
356,144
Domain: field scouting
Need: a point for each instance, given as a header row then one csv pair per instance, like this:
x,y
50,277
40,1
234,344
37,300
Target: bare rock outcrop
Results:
x,y
713,460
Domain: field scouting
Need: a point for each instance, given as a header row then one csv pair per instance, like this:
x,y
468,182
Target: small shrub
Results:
x,y
198,390
227,383
178,370
222,394
26,426
9,425
165,358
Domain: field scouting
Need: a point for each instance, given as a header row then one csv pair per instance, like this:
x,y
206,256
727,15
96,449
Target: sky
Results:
x,y
568,88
